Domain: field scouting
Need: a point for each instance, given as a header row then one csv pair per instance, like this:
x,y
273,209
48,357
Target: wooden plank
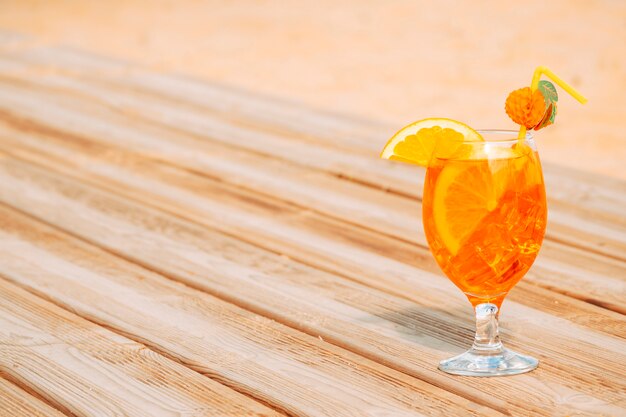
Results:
x,y
254,109
573,188
88,370
601,232
15,402
192,106
407,335
297,373
202,200
570,271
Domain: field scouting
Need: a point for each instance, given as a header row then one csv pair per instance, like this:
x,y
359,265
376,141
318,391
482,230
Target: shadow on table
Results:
x,y
446,330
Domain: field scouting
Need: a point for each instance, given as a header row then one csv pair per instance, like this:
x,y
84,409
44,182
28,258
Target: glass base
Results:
x,y
476,363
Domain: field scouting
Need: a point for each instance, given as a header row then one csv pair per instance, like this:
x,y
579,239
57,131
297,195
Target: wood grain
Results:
x,y
601,231
299,374
573,219
88,370
406,335
571,271
201,107
313,289
15,402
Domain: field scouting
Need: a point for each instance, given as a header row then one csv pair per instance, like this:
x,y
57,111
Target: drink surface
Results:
x,y
485,218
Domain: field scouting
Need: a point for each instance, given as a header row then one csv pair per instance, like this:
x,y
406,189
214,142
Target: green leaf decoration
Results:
x,y
549,92
550,96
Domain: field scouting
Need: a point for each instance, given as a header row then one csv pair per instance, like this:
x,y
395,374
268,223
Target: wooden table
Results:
x,y
173,247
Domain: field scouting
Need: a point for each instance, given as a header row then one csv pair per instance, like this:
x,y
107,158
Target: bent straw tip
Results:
x,y
543,70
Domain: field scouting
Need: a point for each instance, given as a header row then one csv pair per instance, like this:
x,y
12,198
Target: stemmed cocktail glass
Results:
x,y
484,210
484,214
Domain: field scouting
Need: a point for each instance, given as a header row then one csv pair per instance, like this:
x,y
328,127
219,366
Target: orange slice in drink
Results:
x,y
461,199
468,190
416,142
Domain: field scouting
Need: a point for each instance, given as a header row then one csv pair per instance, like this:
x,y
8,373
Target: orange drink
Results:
x,y
484,211
484,214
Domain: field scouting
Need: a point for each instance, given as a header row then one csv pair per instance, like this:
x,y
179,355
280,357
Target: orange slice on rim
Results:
x,y
416,142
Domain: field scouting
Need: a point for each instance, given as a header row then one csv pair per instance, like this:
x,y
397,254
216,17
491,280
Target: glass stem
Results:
x,y
487,340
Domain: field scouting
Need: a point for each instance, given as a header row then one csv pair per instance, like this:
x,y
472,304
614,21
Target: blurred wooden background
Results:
x,y
389,61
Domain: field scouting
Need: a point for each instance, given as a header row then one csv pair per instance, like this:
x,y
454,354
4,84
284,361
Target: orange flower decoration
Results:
x,y
526,107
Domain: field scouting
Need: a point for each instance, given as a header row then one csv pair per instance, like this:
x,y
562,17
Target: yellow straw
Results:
x,y
541,70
